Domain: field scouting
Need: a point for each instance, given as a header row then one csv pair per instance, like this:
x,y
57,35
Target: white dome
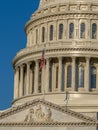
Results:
x,y
44,3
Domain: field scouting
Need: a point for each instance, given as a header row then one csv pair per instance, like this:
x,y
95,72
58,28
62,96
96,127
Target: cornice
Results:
x,y
60,15
54,52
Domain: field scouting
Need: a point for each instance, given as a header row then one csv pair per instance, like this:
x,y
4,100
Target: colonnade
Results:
x,y
27,80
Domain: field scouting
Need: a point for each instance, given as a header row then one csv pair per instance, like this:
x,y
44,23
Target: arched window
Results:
x,y
43,34
81,76
82,30
93,77
51,32
69,76
60,31
71,30
94,30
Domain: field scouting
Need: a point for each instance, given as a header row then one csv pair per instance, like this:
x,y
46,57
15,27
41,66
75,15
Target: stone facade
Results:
x,y
63,93
67,31
41,114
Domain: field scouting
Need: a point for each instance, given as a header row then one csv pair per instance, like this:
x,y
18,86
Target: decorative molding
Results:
x,y
36,54
48,124
49,105
38,115
47,17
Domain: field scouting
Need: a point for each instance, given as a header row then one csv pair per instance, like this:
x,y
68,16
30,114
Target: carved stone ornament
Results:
x,y
39,114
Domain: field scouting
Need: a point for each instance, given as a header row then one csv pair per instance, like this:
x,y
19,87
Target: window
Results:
x,y
60,31
69,76
63,76
71,30
93,77
57,77
50,79
82,30
36,36
43,34
24,80
51,32
94,30
81,76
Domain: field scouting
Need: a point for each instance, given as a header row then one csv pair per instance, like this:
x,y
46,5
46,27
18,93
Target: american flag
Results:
x,y
42,61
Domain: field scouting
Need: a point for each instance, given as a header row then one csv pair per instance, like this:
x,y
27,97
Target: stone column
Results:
x,y
28,79
65,30
60,74
73,73
36,77
76,29
43,79
21,81
15,86
87,76
88,33
65,77
31,81
47,76
53,77
16,83
97,78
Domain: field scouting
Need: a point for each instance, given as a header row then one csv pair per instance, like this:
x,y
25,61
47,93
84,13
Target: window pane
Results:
x,y
56,77
63,76
94,30
36,36
43,34
82,30
69,76
93,77
51,32
81,76
71,30
60,31
50,79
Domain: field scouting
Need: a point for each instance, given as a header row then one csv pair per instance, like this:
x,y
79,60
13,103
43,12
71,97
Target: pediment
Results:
x,y
41,112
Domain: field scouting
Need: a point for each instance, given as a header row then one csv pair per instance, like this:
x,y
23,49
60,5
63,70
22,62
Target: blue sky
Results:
x,y
13,16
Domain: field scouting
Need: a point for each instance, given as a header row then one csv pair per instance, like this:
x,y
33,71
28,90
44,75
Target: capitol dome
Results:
x,y
44,3
67,31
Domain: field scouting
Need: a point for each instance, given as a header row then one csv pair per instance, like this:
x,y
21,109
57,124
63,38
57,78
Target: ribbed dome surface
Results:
x,y
44,3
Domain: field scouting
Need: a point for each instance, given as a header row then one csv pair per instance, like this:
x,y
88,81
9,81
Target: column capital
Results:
x,y
28,63
88,58
47,58
17,67
22,65
73,58
60,57
36,61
